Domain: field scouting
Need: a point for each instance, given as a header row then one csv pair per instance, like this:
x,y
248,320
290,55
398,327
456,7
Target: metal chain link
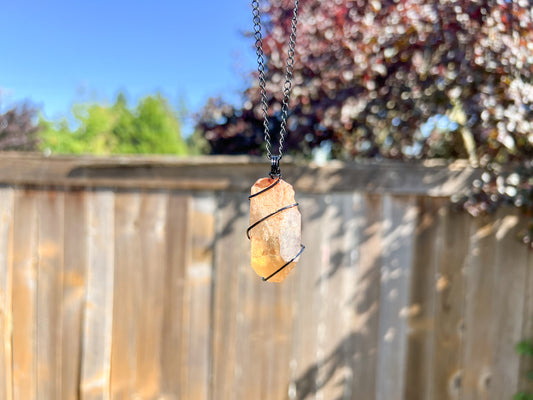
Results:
x,y
287,86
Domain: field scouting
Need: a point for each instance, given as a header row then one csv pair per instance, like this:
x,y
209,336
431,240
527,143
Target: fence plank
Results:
x,y
281,320
479,306
152,230
273,329
248,334
526,362
173,359
307,359
25,295
74,284
97,332
128,293
338,288
400,217
149,294
453,252
366,297
6,279
264,339
421,310
231,257
508,295
255,312
280,354
50,209
272,335
320,306
197,311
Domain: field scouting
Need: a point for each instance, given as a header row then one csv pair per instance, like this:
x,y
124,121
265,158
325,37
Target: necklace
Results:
x,y
275,222
287,86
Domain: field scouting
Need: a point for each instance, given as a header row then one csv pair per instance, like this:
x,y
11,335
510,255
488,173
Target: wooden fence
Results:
x,y
129,278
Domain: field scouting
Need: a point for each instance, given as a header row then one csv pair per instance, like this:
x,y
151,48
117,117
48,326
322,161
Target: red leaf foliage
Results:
x,y
18,129
394,79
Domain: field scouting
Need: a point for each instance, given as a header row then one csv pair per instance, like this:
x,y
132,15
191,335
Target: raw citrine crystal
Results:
x,y
277,239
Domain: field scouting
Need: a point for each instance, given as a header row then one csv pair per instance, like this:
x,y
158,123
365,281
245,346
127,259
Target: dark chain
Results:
x,y
287,86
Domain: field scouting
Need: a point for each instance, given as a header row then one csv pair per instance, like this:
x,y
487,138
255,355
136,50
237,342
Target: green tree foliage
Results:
x,y
152,127
525,349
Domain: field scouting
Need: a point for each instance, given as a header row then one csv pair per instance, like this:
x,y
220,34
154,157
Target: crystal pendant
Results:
x,y
275,229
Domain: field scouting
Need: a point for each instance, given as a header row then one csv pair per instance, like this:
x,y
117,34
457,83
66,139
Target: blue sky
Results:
x,y
55,52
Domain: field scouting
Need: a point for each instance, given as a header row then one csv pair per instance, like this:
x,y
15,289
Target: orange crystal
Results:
x,y
276,240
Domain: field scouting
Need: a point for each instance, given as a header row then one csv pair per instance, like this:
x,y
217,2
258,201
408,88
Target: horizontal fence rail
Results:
x,y
222,173
129,278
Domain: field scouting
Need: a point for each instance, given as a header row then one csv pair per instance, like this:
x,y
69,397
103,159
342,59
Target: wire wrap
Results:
x,y
275,173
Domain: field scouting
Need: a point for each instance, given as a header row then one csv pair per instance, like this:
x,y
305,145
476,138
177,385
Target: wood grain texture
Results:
x,y
421,310
479,337
73,291
231,173
127,293
400,219
7,206
178,250
138,292
453,249
366,297
338,284
152,228
98,318
509,288
51,216
197,304
247,380
25,259
271,333
526,362
283,312
231,258
307,357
